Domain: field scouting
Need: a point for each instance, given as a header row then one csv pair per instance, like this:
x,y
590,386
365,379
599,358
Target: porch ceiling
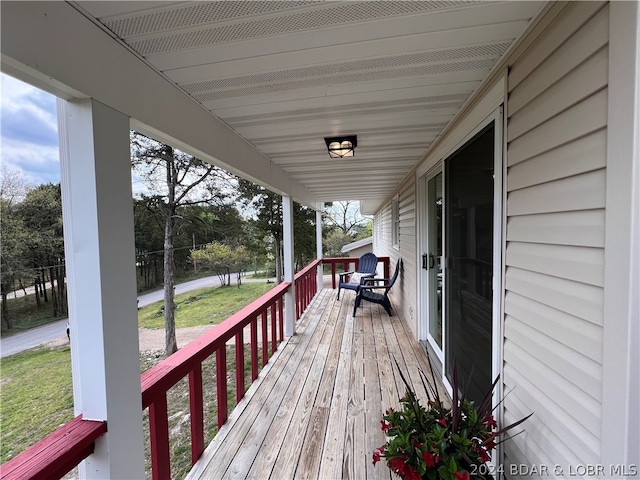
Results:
x,y
285,74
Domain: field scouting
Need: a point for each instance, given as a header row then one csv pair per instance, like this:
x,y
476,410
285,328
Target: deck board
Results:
x,y
315,411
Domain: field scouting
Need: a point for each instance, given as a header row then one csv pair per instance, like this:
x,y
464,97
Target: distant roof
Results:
x,y
360,243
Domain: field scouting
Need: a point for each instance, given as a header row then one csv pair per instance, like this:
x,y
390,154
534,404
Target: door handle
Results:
x,y
432,261
425,261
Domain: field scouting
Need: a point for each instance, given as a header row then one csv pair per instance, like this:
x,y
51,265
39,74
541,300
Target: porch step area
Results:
x,y
316,408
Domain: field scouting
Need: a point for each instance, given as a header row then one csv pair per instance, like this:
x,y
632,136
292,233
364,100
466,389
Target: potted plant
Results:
x,y
440,442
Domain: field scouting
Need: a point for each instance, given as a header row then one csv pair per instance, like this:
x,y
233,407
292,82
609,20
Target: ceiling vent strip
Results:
x,y
443,56
303,21
202,13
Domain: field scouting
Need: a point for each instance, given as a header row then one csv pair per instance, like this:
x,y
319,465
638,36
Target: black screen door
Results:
x,y
469,259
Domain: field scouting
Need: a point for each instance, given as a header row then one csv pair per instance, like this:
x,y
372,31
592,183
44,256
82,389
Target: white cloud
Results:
x,y
38,163
28,122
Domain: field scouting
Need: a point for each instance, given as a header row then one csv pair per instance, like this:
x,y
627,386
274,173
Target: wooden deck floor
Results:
x,y
315,410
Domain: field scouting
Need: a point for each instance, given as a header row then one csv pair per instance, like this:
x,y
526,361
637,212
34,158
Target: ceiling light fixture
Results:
x,y
341,146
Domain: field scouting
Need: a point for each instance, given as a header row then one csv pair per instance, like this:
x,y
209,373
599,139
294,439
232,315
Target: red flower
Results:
x,y
462,476
490,421
385,426
483,455
489,442
410,473
397,464
442,422
430,459
376,454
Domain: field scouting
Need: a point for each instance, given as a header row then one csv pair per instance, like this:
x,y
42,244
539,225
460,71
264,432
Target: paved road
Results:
x,y
52,331
32,337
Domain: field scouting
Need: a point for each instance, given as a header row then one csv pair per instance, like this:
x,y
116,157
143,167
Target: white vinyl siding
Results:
x,y
384,241
403,295
556,159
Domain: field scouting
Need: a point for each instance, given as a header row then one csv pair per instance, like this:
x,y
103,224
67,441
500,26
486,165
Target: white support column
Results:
x,y
290,296
620,431
100,259
319,246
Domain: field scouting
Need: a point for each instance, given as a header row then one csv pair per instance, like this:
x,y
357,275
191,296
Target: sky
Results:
x,y
28,131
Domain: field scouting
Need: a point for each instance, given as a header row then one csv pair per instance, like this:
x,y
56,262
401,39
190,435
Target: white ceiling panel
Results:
x,y
285,74
333,101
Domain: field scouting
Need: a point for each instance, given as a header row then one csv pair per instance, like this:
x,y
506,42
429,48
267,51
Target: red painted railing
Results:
x,y
59,452
188,362
347,261
306,287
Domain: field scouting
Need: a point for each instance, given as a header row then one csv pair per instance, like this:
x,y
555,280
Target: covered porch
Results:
x,y
260,102
315,410
263,90
312,410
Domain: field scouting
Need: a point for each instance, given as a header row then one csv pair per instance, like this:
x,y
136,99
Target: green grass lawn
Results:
x,y
28,414
36,394
261,274
37,397
208,306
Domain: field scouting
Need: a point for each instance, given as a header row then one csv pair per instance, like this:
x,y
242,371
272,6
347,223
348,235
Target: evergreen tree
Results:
x,y
41,212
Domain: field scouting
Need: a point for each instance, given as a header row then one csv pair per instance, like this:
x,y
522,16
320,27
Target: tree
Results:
x,y
364,230
220,222
181,180
14,237
345,224
267,222
345,215
334,242
149,240
222,260
41,212
304,231
267,219
13,188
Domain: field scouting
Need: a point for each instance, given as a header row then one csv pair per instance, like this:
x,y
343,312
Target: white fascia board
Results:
x,y
53,46
621,339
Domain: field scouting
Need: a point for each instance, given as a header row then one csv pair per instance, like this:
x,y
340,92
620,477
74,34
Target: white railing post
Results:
x,y
100,260
319,247
290,296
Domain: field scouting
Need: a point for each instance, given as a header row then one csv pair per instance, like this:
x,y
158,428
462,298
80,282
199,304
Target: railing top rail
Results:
x,y
349,259
308,268
57,453
159,378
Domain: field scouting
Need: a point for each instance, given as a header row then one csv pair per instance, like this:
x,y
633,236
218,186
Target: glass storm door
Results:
x,y
432,261
469,199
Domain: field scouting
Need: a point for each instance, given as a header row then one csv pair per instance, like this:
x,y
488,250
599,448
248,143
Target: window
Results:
x,y
395,222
